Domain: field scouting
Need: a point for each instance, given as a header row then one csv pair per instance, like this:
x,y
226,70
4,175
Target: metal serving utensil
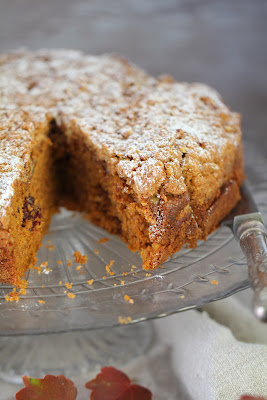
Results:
x,y
248,227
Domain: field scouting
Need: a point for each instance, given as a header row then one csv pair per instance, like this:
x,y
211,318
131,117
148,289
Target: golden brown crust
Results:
x,y
209,219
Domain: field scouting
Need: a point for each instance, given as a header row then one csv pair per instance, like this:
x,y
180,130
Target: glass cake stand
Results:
x,y
70,296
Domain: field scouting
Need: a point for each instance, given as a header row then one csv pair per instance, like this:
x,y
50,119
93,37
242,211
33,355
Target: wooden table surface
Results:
x,y
222,43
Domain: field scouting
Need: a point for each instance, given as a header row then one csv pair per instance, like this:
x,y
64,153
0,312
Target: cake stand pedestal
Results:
x,y
74,354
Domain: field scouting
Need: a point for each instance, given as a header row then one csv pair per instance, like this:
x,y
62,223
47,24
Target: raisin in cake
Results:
x,y
156,161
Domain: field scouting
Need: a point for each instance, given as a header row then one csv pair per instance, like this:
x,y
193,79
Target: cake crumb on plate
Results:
x,y
79,258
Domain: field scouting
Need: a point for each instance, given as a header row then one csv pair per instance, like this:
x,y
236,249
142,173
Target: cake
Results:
x,y
156,161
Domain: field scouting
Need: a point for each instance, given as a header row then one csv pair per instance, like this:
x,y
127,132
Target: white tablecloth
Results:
x,y
216,354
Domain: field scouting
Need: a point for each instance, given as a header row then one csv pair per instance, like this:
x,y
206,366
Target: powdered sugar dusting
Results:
x,y
138,124
10,168
17,131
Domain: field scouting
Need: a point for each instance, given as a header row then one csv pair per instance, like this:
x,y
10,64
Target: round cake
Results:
x,y
156,161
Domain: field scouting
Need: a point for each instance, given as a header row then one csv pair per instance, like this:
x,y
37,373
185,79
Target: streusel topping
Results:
x,y
154,132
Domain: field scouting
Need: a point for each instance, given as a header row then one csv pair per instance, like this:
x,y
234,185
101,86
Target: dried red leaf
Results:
x,y
135,392
112,384
51,387
248,397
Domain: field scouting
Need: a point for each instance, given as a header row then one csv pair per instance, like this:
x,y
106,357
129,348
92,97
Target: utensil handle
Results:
x,y
253,244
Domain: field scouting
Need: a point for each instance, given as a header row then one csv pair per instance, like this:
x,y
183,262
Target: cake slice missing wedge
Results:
x,y
44,168
155,161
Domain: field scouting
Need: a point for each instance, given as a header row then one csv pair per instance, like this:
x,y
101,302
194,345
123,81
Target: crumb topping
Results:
x,y
153,132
